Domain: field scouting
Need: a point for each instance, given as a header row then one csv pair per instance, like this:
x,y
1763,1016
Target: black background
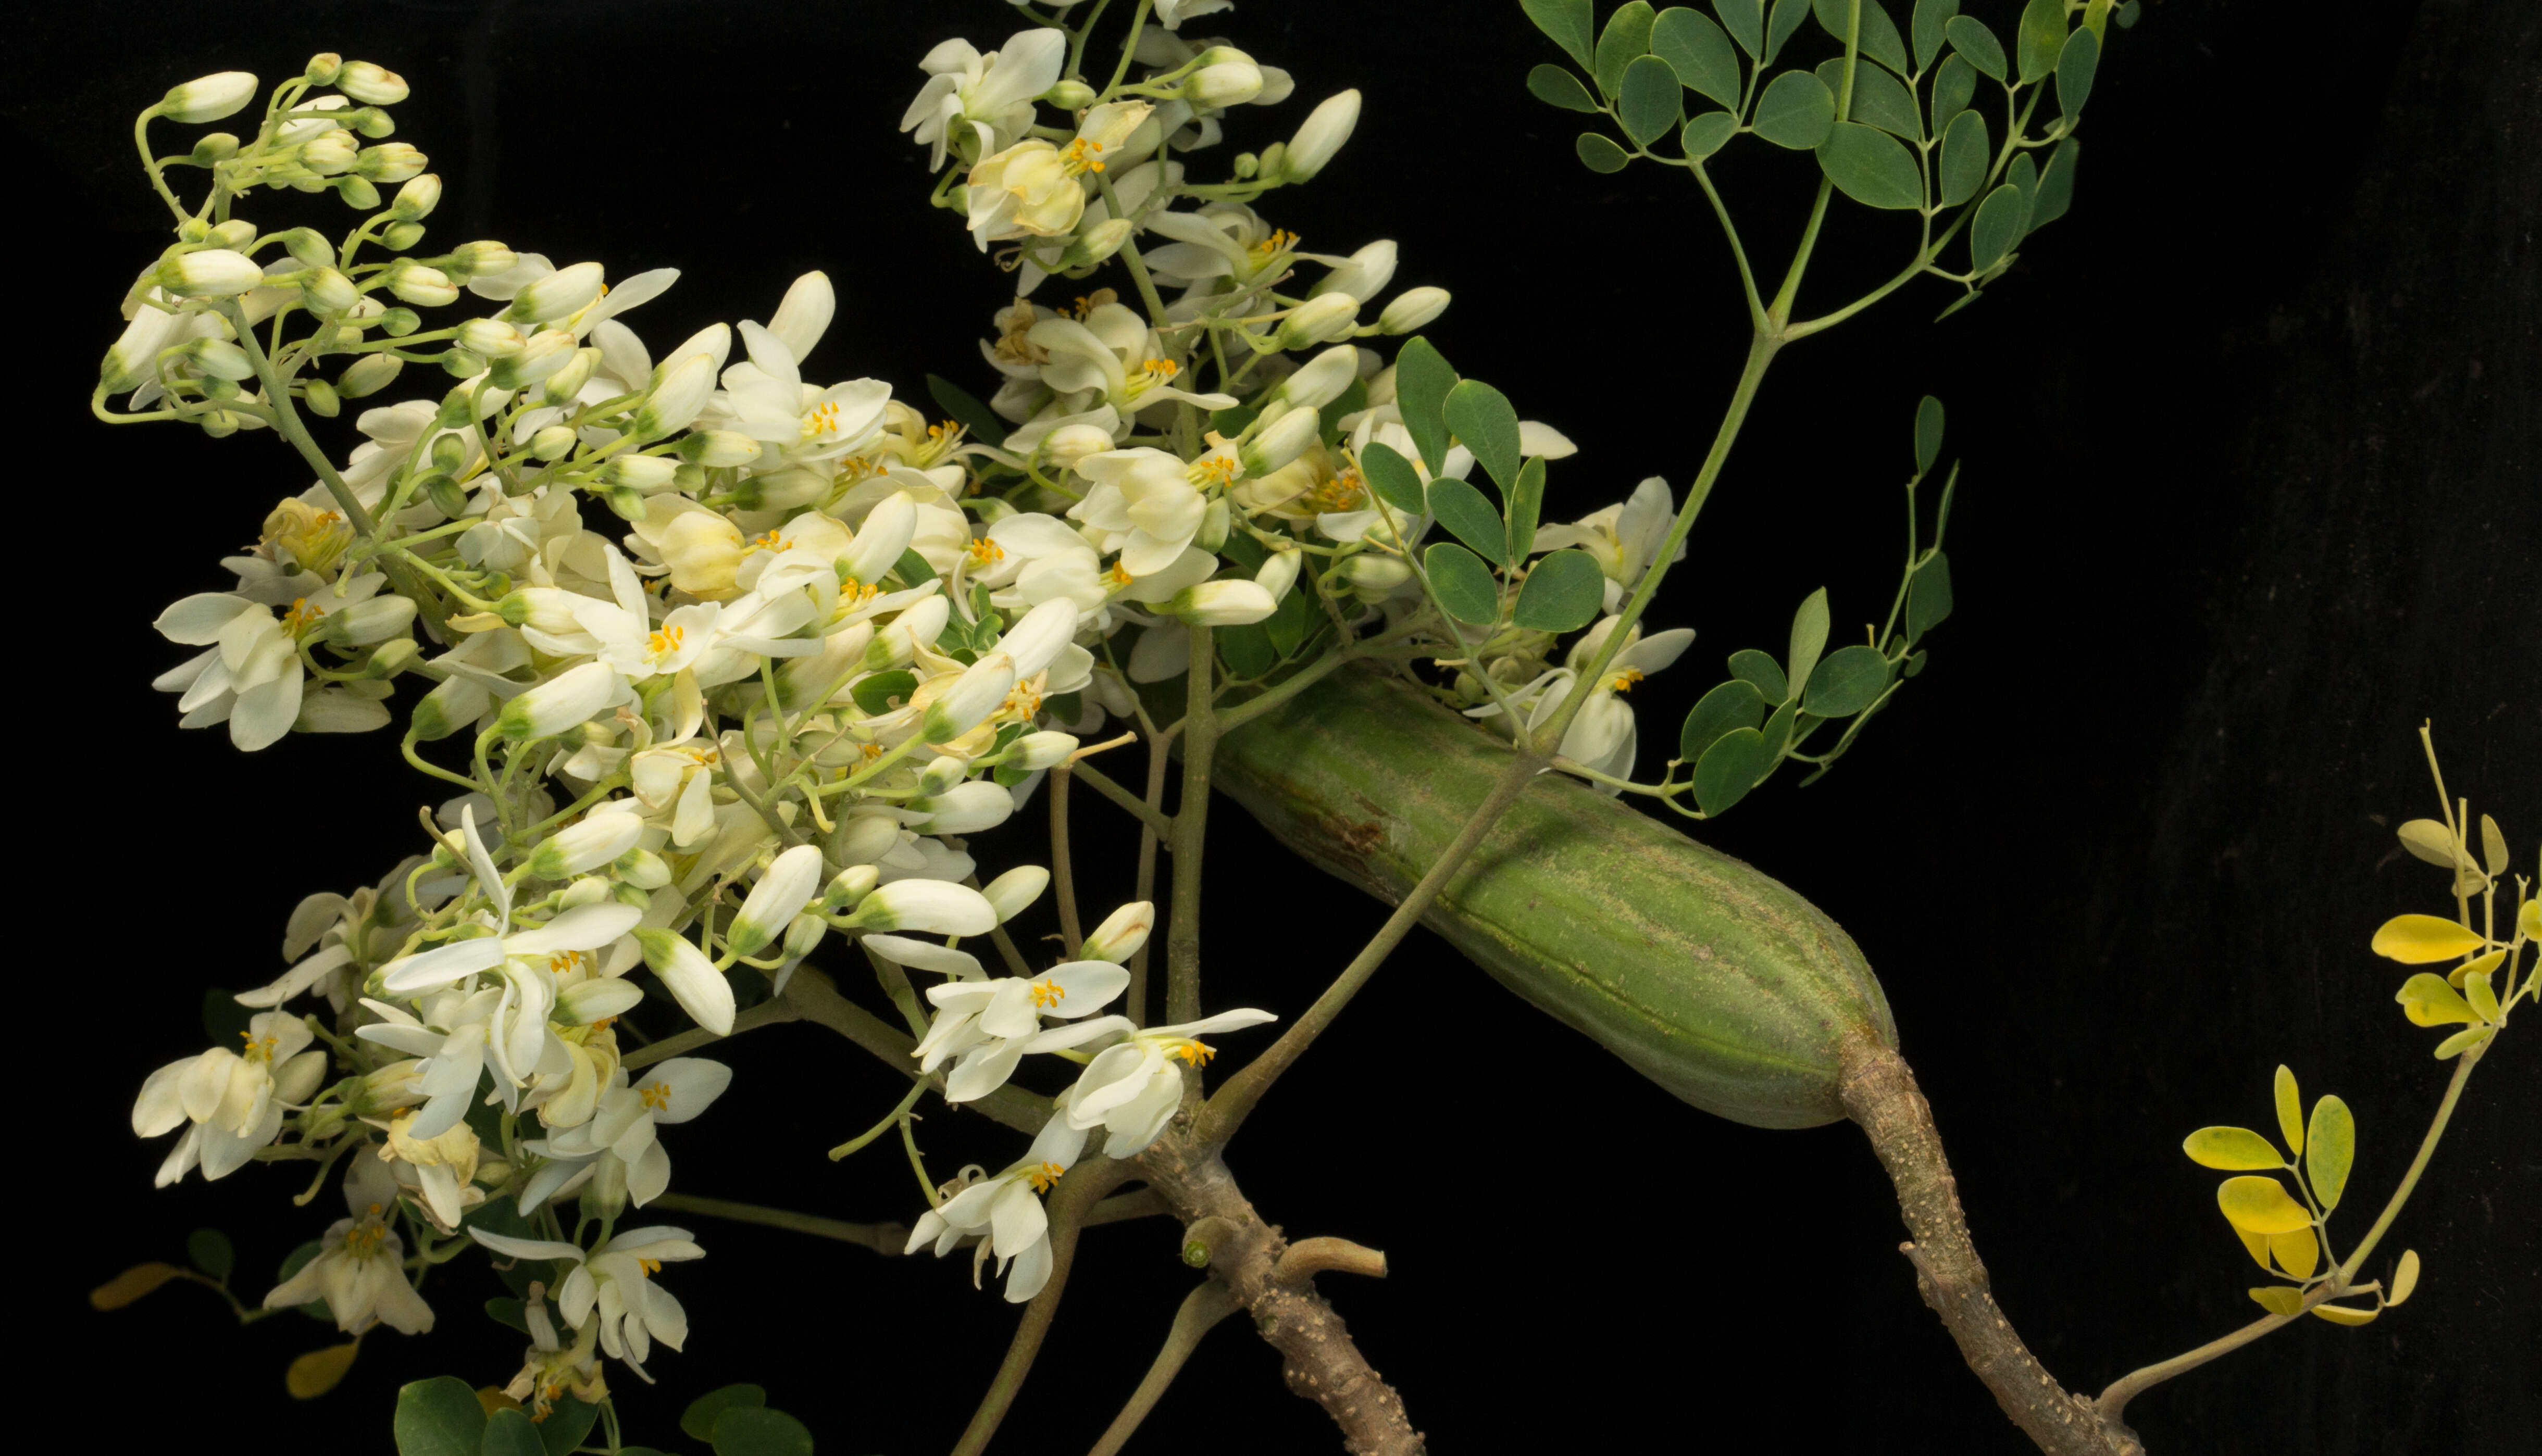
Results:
x,y
2250,492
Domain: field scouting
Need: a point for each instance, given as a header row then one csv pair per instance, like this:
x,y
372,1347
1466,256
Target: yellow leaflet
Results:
x,y
317,1372
2477,965
2528,921
2428,840
2297,1252
132,1284
2279,1299
2261,1206
2405,1279
2329,1147
2427,1001
2230,1148
2476,989
2461,1042
2341,1314
2420,940
2258,1244
2290,1110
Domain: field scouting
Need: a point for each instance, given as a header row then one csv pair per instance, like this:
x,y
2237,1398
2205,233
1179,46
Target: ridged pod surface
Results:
x,y
1709,977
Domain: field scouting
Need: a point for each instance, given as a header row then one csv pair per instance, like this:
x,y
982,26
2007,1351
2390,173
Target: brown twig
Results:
x,y
1200,1313
1245,1255
1881,1095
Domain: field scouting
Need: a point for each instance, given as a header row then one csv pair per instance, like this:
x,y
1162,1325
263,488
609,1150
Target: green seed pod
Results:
x,y
1709,977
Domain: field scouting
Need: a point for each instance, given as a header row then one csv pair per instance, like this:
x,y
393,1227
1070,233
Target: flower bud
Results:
x,y
1220,604
212,272
679,391
331,152
718,449
774,901
925,908
208,98
564,701
397,322
214,146
1013,892
1320,380
1066,446
322,68
1039,635
1412,309
552,443
1374,577
567,381
374,621
491,338
1326,129
1365,274
402,236
965,809
237,233
328,292
320,399
1214,522
421,286
857,881
221,359
560,294
1226,77
942,774
1122,932
416,199
297,1078
476,260
642,868
368,375
358,194
1095,243
371,122
1279,573
803,938
1279,442
309,248
371,85
976,694
1069,95
390,162
691,979
1036,752
579,849
645,474
545,354
1318,320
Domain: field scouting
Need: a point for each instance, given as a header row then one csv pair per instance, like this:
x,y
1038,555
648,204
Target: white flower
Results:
x,y
551,1367
765,397
987,1027
1131,1089
1602,736
1144,505
360,1269
615,1278
1005,1212
529,961
620,1137
1027,190
1623,537
235,1100
990,93
251,674
1113,357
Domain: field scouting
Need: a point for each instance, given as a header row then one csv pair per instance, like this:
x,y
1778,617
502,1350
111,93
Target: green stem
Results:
x,y
1190,830
1063,870
1137,808
1208,1303
880,1237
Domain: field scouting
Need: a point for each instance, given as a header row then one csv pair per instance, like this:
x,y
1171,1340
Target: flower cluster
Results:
x,y
737,656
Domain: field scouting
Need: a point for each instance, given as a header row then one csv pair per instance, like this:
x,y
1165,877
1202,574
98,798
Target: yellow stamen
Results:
x,y
301,618
668,641
821,421
1280,238
656,1095
1082,156
1343,492
649,1266
258,1049
565,963
1119,575
1196,1053
986,553
1625,679
1047,992
1213,470
1043,1176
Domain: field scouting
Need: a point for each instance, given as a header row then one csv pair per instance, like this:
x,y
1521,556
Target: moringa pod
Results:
x,y
1713,980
